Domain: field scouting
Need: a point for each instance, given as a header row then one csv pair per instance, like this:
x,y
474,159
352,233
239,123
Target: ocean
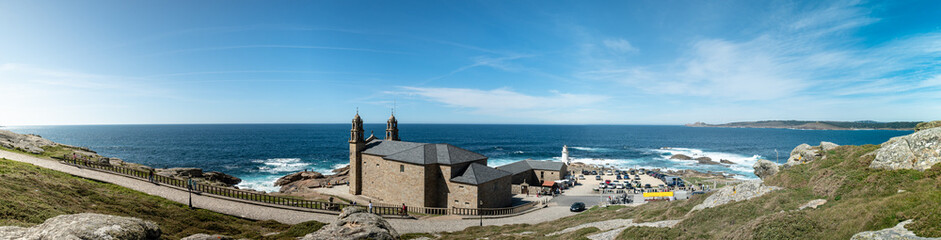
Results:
x,y
261,153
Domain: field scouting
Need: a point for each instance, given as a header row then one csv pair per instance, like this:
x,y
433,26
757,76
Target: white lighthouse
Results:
x,y
565,155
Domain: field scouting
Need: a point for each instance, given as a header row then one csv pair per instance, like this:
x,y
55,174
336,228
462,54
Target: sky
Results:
x,y
486,62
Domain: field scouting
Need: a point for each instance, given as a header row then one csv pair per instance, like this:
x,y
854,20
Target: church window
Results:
x,y
460,186
401,168
542,174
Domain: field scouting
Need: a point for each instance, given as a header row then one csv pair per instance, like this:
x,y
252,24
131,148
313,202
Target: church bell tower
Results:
x,y
357,145
392,129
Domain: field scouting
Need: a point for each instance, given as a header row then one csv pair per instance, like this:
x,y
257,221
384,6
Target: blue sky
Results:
x,y
538,62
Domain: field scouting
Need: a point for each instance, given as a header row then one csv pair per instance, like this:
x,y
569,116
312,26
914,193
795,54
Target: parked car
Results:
x,y
577,207
637,177
598,178
619,177
581,177
647,185
594,172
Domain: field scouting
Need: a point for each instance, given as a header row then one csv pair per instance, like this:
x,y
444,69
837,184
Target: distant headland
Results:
x,y
814,125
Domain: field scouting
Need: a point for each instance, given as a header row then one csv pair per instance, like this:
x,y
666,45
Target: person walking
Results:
x,y
150,177
370,206
404,209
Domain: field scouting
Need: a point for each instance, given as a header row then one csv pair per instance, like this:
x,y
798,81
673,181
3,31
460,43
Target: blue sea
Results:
x,y
261,153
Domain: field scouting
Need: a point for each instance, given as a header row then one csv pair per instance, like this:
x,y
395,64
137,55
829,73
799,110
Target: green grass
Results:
x,y
859,199
29,195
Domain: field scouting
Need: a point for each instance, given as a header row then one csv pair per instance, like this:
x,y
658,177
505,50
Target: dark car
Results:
x,y
577,207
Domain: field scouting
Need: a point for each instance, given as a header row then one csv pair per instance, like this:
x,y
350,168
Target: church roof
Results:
x,y
421,153
477,173
526,165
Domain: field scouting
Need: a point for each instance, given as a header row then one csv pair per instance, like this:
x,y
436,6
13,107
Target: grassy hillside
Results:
x,y
859,199
29,195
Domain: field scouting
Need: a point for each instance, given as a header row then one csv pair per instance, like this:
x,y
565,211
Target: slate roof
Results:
x,y
526,165
421,153
477,173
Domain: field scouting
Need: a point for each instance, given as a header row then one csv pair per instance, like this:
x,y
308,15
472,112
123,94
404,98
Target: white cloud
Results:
x,y
809,54
554,107
619,45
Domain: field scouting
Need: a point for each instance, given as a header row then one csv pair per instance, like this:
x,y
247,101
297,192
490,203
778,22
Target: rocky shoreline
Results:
x,y
35,144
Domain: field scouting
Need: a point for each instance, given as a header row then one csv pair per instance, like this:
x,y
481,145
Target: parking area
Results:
x,y
590,185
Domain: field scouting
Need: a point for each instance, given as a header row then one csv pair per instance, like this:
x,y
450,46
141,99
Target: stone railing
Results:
x,y
261,197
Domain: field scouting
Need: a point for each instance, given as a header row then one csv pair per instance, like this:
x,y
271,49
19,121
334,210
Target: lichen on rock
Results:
x,y
919,151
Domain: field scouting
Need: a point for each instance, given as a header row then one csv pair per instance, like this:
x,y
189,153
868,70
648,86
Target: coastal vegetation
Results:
x,y
814,125
858,199
29,195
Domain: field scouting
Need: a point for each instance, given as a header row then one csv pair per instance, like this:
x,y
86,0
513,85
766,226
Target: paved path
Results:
x,y
261,212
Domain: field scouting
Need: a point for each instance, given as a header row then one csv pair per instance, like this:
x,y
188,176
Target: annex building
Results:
x,y
533,173
423,174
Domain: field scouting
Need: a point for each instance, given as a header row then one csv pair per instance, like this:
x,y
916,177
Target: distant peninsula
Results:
x,y
814,125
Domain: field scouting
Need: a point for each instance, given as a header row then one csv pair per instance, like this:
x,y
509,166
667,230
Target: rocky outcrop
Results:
x,y
724,161
827,146
919,150
210,178
764,168
681,157
741,192
927,125
801,154
355,223
203,236
26,142
300,182
813,204
706,160
805,153
85,226
897,232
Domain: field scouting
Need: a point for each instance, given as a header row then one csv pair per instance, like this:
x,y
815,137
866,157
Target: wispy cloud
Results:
x,y
274,46
554,106
619,45
810,54
498,63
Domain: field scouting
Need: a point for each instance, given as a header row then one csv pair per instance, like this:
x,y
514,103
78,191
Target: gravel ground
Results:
x,y
288,216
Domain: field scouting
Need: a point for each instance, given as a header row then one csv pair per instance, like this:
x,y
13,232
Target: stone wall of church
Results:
x,y
393,182
436,188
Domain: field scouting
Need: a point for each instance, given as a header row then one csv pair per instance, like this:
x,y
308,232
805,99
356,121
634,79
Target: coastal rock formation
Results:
x,y
706,160
741,192
801,154
724,161
203,236
681,157
85,226
897,232
302,181
919,150
827,146
765,168
25,142
211,178
813,204
355,223
927,125
805,153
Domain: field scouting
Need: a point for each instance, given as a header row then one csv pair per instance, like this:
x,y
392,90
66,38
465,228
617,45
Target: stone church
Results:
x,y
423,174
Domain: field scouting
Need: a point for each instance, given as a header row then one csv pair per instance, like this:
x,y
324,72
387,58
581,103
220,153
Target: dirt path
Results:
x,y
261,212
